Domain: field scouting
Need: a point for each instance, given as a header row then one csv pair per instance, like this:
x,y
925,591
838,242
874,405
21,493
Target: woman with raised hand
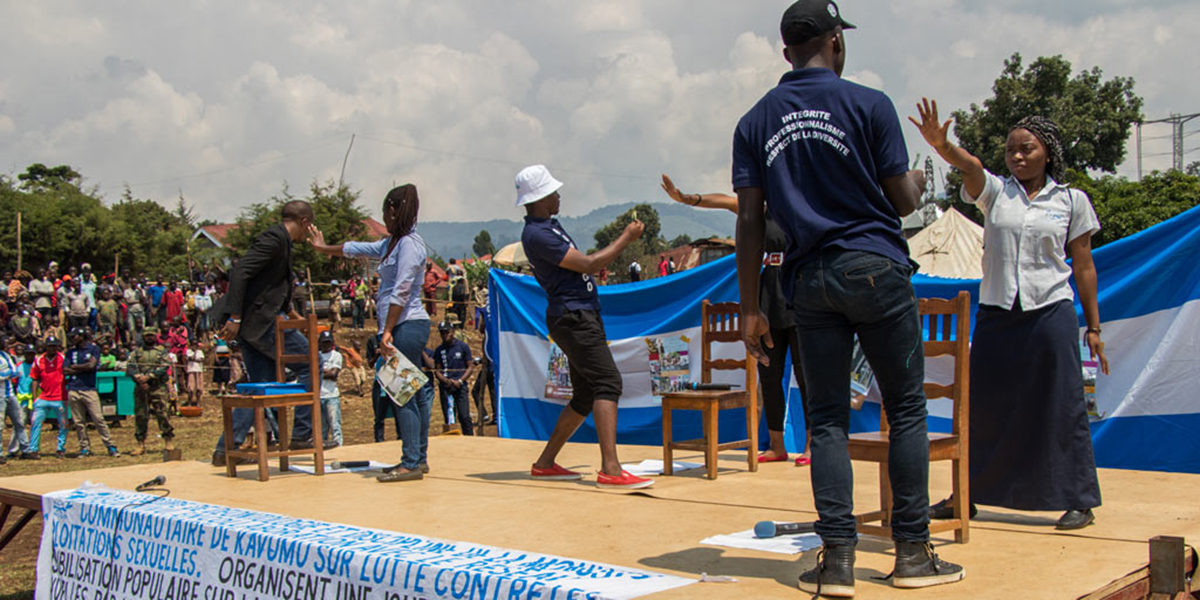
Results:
x,y
1031,444
403,322
783,327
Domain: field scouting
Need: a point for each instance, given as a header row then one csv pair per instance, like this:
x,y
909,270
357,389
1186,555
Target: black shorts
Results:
x,y
594,374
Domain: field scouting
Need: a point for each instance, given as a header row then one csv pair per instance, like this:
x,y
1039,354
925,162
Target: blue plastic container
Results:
x,y
269,389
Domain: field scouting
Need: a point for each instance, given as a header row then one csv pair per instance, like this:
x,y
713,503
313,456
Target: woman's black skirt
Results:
x,y
1031,445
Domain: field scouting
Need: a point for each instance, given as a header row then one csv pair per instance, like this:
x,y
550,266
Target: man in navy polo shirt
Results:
x,y
79,367
829,159
452,360
573,321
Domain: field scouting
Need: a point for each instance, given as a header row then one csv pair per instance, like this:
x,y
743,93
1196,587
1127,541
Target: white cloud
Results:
x,y
226,105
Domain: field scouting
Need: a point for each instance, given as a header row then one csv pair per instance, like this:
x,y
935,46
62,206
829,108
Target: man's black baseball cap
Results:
x,y
326,336
807,19
445,326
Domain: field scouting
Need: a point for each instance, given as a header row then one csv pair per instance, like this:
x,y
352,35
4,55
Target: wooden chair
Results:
x,y
283,403
952,338
720,323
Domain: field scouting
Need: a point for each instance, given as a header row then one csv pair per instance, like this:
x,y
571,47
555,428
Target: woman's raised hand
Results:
x,y
932,129
668,186
315,237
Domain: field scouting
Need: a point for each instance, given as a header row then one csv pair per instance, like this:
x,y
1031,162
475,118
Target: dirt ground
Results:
x,y
196,438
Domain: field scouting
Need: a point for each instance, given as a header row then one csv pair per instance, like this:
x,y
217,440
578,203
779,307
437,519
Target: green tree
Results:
x,y
149,238
1126,207
483,244
1095,116
682,239
39,175
337,213
59,221
651,242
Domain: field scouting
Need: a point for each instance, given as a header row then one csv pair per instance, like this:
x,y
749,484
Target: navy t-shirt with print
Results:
x,y
452,358
818,146
86,380
546,243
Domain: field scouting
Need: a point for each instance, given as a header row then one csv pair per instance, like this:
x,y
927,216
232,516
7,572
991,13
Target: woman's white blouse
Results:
x,y
1025,240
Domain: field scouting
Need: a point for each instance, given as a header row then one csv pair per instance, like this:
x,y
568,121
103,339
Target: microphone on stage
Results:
x,y
715,387
157,481
350,464
770,529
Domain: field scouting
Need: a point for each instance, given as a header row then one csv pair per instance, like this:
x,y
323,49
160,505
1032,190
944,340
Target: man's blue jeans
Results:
x,y
40,408
16,413
260,368
331,419
410,338
837,295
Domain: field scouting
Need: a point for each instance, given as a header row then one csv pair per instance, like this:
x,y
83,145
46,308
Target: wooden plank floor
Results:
x,y
479,492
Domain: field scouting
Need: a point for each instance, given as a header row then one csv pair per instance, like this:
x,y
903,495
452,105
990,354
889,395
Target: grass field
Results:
x,y
195,437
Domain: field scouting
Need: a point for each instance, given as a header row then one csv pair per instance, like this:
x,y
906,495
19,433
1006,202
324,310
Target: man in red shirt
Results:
x,y
47,373
429,289
173,299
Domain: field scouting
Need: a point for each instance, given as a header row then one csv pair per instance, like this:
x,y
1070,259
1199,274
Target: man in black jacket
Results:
x,y
260,289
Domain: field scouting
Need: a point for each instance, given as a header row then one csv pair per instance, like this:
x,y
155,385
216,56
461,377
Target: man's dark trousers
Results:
x,y
837,294
260,368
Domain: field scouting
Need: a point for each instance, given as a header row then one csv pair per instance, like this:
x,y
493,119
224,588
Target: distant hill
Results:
x,y
454,239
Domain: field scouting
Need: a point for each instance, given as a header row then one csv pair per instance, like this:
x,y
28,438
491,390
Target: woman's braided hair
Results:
x,y
1049,133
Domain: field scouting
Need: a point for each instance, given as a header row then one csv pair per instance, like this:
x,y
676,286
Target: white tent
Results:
x,y
950,247
512,255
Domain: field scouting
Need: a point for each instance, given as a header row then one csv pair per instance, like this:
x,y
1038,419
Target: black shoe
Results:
x,y
330,445
1075,519
945,510
834,573
300,445
3,460
31,456
918,566
61,454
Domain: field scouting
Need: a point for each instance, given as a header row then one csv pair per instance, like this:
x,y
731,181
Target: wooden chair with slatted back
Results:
x,y
283,404
721,323
947,324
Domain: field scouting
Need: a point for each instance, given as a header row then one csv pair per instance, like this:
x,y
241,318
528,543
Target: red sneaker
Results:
x,y
627,481
803,461
555,473
763,458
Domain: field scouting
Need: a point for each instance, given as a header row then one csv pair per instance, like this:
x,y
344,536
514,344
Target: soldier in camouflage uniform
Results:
x,y
148,367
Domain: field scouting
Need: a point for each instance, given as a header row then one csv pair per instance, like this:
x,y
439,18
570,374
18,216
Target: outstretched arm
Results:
x,y
317,240
935,133
591,263
723,201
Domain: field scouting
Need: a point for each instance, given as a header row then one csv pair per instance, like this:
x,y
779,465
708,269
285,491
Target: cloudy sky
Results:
x,y
225,101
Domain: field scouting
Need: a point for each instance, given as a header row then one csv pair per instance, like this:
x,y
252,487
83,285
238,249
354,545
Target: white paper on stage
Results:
x,y
655,467
310,469
783,544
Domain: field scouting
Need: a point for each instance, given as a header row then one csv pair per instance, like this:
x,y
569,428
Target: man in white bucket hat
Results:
x,y
574,324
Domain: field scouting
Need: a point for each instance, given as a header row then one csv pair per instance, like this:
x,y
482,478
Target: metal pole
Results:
x,y
1139,149
1177,141
344,160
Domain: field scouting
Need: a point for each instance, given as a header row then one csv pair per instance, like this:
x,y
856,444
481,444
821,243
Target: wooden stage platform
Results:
x,y
479,492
